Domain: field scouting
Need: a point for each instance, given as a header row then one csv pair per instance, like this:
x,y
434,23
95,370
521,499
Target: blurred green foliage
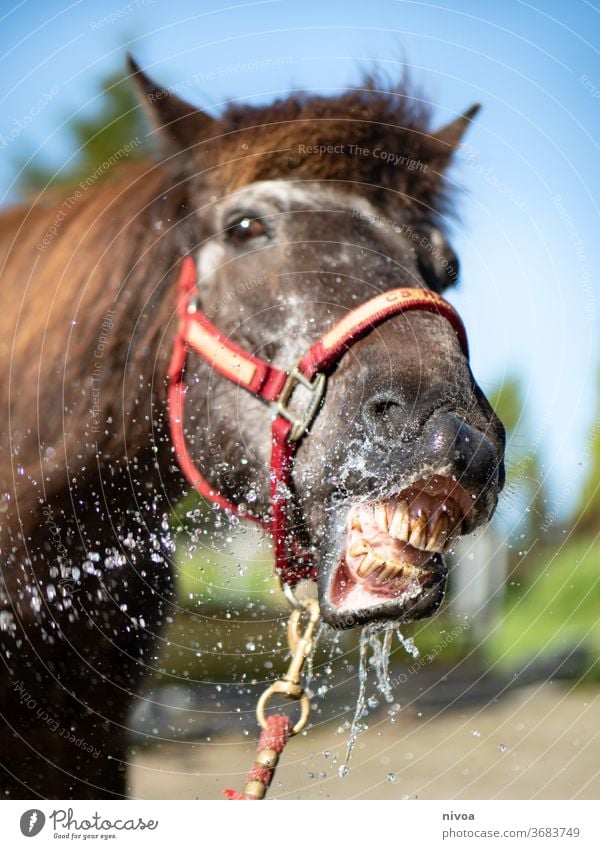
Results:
x,y
118,123
507,402
587,513
557,610
524,478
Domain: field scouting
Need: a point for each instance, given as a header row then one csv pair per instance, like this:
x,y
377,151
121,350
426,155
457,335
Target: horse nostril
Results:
x,y
383,418
472,454
441,439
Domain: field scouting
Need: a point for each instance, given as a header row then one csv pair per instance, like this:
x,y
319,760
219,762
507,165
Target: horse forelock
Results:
x,y
367,139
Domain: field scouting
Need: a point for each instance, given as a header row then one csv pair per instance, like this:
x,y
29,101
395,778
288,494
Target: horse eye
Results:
x,y
246,228
437,262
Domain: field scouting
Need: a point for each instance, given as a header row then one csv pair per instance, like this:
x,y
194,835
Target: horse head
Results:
x,y
298,213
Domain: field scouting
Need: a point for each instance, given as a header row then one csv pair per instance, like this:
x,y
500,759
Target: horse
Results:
x,y
282,220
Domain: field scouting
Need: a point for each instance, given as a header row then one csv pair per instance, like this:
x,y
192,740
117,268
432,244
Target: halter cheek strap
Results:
x,y
276,386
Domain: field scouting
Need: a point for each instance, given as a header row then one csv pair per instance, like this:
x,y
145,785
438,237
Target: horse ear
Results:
x,y
178,125
446,140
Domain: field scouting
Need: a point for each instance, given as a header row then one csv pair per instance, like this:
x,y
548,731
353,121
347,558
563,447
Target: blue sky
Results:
x,y
528,229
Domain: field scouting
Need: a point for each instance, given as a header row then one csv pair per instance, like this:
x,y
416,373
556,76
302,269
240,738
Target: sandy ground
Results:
x,y
540,742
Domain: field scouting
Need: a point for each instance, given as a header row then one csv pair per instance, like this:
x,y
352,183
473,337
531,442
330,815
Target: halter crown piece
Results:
x,y
276,387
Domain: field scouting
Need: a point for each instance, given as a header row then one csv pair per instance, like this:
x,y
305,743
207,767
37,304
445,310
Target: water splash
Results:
x,y
309,668
380,660
408,644
361,702
377,638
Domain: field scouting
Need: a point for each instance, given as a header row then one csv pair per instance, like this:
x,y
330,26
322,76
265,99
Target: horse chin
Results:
x,y
386,562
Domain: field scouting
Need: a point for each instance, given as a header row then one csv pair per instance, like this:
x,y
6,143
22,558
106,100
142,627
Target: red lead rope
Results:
x,y
276,386
270,745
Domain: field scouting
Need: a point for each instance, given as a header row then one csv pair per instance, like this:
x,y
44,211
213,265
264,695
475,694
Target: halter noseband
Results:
x,y
276,387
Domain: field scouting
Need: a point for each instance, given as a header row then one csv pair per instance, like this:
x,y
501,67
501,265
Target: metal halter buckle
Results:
x,y
316,386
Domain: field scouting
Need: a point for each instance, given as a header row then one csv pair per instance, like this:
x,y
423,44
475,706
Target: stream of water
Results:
x,y
378,639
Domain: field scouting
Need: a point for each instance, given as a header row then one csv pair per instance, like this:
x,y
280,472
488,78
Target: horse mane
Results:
x,y
83,312
375,138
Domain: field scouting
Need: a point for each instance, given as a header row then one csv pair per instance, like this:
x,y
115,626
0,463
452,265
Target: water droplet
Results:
x,y
7,621
390,776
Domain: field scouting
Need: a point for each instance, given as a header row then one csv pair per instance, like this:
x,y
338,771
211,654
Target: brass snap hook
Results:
x,y
283,688
301,645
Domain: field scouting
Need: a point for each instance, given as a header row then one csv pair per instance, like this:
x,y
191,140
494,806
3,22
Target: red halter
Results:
x,y
277,387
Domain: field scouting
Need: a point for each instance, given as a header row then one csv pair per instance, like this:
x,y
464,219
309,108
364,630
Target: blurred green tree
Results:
x,y
507,401
587,513
524,476
117,125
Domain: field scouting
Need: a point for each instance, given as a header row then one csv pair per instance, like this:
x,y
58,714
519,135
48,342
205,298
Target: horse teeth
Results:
x,y
399,526
391,569
381,516
418,535
386,570
370,563
439,535
410,571
361,546
452,533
